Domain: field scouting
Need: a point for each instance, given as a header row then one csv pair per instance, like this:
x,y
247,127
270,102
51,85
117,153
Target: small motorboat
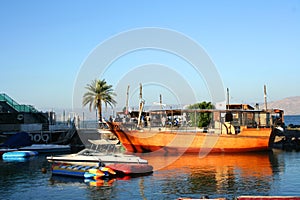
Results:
x,y
94,157
4,150
18,155
101,172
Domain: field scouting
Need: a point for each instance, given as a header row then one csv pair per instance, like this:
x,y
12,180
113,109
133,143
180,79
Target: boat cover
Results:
x,y
20,139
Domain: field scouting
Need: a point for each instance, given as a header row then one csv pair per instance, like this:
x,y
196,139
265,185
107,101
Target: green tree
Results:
x,y
99,92
201,119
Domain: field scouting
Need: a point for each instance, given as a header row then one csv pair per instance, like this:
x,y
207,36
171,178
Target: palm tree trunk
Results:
x,y
99,108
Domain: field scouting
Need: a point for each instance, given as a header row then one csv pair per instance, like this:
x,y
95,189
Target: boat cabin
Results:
x,y
229,121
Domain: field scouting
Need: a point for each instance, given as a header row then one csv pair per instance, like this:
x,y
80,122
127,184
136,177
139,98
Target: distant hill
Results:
x,y
290,105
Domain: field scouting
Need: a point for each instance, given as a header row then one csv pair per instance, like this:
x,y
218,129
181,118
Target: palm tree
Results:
x,y
99,91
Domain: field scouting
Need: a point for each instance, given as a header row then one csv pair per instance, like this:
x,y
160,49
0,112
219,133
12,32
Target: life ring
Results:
x,y
37,138
45,138
20,117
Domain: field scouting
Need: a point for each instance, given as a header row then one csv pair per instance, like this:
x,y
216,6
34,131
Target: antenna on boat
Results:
x,y
127,96
265,96
227,103
141,105
141,91
160,101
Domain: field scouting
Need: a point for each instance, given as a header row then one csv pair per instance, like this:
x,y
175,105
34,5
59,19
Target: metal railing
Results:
x,y
15,105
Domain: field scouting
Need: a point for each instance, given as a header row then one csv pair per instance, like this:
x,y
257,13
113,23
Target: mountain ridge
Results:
x,y
290,105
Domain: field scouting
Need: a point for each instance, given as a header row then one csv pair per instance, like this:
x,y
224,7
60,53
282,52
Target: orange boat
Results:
x,y
234,130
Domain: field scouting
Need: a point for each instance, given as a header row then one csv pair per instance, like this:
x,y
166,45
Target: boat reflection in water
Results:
x,y
215,173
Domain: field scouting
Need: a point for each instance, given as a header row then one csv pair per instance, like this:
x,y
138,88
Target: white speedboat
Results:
x,y
94,157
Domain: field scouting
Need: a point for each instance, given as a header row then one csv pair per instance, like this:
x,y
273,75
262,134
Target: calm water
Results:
x,y
218,175
292,119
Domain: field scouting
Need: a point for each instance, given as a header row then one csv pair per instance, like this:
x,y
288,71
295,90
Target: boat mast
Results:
x,y
265,96
227,103
160,101
127,96
141,105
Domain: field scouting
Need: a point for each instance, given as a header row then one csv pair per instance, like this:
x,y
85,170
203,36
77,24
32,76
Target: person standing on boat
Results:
x,y
183,119
163,121
78,121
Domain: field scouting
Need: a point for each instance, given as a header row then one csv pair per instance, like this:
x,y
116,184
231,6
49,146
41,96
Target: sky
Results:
x,y
44,46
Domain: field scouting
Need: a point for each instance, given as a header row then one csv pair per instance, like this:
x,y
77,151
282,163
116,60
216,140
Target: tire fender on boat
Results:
x,y
20,117
37,138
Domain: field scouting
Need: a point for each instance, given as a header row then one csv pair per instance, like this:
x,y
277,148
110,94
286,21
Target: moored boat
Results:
x,y
94,157
41,127
230,130
19,155
100,172
4,150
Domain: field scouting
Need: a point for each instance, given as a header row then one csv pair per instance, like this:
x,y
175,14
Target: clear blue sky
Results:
x,y
44,43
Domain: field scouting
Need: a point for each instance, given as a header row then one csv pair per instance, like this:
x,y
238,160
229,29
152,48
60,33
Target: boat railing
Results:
x,y
15,105
206,121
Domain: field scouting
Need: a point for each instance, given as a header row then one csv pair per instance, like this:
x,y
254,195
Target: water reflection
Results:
x,y
216,173
57,179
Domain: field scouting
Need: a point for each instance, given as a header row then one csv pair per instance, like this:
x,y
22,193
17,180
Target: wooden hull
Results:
x,y
193,142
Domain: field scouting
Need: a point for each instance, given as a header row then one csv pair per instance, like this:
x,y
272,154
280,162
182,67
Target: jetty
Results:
x,y
288,139
41,127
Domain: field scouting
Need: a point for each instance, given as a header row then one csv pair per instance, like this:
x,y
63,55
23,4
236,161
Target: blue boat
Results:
x,y
18,155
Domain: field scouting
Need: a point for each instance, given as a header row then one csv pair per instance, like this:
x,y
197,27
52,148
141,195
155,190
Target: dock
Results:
x,y
288,140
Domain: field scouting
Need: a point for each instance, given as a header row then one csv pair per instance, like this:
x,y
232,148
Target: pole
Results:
x,y
82,120
127,96
227,103
160,101
265,97
141,105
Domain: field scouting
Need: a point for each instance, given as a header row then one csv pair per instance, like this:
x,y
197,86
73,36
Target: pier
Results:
x,y
288,140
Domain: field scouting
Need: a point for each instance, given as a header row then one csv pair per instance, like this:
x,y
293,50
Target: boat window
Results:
x,y
228,117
